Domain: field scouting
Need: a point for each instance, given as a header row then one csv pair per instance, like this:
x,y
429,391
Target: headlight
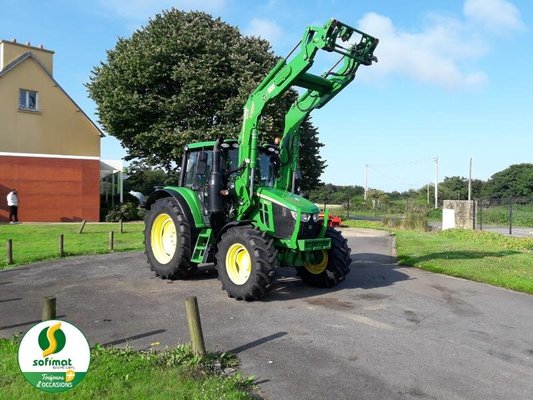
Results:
x,y
315,217
305,217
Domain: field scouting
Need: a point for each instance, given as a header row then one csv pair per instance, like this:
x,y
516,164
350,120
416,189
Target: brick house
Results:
x,y
49,148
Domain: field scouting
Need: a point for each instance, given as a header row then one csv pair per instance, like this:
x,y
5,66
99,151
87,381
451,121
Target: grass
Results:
x,y
475,255
499,215
38,242
127,374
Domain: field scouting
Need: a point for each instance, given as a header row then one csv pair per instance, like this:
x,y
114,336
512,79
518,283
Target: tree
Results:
x,y
454,187
143,178
183,78
516,181
311,165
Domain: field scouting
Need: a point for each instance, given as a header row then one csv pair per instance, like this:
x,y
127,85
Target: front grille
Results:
x,y
309,230
284,223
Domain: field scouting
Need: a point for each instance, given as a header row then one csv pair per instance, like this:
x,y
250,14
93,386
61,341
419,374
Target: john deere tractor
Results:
x,y
236,203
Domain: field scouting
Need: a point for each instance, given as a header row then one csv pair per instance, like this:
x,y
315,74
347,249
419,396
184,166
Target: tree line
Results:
x,y
515,181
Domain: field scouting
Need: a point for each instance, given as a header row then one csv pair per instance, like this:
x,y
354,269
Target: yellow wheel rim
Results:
x,y
163,238
238,264
319,267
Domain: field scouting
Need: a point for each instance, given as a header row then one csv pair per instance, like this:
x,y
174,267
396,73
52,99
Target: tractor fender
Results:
x,y
232,224
178,198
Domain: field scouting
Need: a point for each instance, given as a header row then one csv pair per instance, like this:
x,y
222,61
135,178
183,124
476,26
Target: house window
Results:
x,y
28,100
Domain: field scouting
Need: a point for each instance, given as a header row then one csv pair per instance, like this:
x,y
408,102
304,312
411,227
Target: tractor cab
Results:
x,y
197,169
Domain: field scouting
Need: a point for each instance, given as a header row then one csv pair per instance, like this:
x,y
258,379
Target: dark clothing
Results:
x,y
13,213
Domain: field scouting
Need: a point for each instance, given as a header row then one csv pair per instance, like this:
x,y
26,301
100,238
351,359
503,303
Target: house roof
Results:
x,y
24,57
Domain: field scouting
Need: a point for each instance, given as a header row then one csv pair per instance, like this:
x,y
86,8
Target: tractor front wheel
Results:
x,y
167,240
330,267
246,263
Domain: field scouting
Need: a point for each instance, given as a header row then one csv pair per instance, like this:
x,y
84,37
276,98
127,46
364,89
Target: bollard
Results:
x,y
49,308
481,216
510,215
61,245
111,240
195,325
121,224
9,251
82,226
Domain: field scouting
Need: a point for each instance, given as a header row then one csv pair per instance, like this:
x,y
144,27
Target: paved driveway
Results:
x,y
387,332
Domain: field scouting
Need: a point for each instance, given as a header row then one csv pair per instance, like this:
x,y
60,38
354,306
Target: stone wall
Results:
x,y
458,214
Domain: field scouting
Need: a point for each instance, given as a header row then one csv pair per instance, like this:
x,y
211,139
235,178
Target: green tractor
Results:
x,y
236,204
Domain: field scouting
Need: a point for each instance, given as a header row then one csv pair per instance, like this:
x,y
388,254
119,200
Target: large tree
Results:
x,y
516,181
183,78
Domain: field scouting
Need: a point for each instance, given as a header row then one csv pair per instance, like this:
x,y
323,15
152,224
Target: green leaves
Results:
x,y
516,181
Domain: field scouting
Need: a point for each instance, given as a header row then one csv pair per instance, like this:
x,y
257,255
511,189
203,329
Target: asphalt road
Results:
x,y
387,332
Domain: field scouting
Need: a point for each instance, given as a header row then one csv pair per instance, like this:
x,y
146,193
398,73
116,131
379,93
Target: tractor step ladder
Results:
x,y
202,244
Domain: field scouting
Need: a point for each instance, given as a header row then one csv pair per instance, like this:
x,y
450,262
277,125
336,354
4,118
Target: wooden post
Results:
x,y
61,245
49,308
195,325
82,226
111,240
9,251
121,224
510,215
481,216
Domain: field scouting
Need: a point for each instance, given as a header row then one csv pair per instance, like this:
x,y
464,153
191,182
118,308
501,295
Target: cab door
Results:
x,y
198,167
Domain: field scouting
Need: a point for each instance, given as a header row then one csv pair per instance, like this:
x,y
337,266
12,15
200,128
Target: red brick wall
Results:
x,y
51,189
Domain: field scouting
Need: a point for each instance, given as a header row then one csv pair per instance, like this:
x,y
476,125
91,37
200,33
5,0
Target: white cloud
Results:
x,y
433,55
494,15
265,29
144,9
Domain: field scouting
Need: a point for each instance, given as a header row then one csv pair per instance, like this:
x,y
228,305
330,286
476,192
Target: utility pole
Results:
x,y
436,182
366,180
470,181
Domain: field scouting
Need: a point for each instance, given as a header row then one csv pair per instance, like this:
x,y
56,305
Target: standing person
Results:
x,y
13,204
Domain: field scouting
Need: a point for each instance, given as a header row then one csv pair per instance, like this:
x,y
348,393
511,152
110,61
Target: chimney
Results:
x,y
28,44
14,40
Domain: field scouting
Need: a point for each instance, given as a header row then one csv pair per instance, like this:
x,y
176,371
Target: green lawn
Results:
x,y
479,256
37,242
127,374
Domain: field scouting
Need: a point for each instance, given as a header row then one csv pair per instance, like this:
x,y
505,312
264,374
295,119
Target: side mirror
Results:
x,y
201,166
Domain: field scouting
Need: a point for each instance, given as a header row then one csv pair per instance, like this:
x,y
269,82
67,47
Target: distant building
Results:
x,y
49,148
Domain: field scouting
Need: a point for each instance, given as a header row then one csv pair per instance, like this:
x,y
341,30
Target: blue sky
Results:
x,y
453,81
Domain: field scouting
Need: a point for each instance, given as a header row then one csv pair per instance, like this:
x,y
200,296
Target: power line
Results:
x,y
404,163
392,178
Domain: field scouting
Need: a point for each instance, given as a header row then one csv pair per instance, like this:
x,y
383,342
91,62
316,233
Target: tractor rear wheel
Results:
x,y
330,267
167,240
246,262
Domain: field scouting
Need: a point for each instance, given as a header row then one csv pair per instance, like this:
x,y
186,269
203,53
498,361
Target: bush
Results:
x,y
126,212
414,219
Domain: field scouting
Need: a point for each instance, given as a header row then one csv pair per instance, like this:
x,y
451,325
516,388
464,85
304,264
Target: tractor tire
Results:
x,y
167,240
333,267
246,261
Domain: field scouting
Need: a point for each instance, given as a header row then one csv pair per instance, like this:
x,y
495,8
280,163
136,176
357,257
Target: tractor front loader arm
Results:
x,y
336,79
293,71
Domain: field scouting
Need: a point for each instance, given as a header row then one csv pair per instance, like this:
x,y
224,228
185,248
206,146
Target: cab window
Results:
x,y
199,164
